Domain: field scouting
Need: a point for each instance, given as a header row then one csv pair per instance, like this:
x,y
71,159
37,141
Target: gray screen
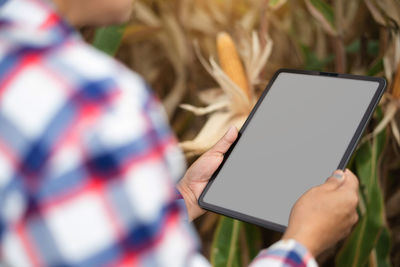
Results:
x,y
295,140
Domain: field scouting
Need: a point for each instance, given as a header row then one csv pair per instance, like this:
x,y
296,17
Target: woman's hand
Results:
x,y
200,172
325,214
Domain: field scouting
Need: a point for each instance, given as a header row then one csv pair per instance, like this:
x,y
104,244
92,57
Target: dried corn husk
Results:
x,y
391,62
255,56
231,104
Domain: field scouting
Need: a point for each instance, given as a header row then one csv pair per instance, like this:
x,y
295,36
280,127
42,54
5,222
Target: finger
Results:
x,y
354,219
225,142
351,180
335,180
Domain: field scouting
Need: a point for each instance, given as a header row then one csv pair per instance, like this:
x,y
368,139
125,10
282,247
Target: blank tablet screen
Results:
x,y
295,140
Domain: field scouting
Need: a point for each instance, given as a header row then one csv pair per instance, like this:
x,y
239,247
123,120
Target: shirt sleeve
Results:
x,y
285,253
104,191
124,210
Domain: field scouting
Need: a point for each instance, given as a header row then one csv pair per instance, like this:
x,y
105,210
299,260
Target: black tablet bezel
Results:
x,y
343,163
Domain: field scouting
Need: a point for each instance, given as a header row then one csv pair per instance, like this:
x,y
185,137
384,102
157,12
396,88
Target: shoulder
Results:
x,y
123,95
84,66
44,47
71,77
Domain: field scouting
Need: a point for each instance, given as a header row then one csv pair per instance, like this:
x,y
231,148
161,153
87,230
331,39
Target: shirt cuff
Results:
x,y
288,253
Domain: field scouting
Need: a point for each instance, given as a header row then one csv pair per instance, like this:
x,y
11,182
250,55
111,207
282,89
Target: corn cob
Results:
x,y
230,62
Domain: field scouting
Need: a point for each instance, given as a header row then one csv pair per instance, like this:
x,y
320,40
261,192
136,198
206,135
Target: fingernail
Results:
x,y
338,174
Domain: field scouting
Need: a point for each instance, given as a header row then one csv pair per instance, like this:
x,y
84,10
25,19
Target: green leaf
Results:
x,y
372,47
325,9
253,239
376,68
108,39
311,60
354,47
276,3
383,249
364,239
224,250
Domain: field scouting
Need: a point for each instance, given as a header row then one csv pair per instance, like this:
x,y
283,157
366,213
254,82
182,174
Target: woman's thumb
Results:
x,y
336,180
226,141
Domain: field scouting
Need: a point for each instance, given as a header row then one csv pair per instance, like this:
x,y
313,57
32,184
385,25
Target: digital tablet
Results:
x,y
305,125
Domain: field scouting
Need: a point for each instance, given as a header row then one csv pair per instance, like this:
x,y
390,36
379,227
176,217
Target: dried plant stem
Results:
x,y
230,62
396,84
383,41
373,262
340,52
340,55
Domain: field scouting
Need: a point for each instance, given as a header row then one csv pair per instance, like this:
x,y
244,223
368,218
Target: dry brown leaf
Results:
x,y
146,15
321,18
211,95
376,12
178,56
395,131
388,116
391,9
259,57
201,21
393,205
199,111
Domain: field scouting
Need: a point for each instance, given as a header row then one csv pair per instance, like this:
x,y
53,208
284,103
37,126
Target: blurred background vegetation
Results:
x,y
208,60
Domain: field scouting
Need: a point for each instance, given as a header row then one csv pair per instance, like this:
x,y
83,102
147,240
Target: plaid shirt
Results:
x,y
88,163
